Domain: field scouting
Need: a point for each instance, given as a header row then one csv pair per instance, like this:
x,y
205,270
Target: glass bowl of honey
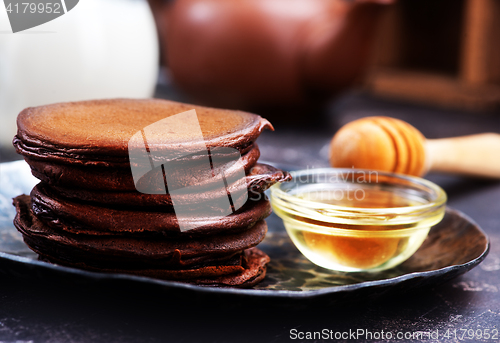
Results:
x,y
355,220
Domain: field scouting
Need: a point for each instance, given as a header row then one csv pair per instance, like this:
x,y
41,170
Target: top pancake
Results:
x,y
102,129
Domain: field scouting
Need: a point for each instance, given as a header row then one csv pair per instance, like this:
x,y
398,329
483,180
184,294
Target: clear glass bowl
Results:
x,y
356,220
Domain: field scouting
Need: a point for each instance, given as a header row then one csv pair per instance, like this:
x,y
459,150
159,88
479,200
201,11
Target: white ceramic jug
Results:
x,y
99,49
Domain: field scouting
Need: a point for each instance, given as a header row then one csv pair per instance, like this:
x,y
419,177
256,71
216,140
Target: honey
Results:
x,y
350,226
354,252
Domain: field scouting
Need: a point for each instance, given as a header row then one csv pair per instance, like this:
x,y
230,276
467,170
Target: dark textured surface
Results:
x,y
56,311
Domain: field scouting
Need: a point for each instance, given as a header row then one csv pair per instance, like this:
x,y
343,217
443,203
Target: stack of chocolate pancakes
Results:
x,y
147,187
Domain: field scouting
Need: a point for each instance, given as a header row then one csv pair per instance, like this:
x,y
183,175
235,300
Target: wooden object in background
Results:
x,y
443,52
389,144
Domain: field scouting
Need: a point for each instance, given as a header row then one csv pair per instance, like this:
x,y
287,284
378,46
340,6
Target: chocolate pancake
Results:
x,y
249,272
120,179
255,271
259,178
122,250
84,218
98,132
147,187
227,262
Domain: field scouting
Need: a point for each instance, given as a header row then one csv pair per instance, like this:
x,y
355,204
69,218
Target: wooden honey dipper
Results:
x,y
389,144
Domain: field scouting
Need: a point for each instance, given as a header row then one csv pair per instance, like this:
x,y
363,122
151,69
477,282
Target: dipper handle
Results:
x,y
389,144
475,155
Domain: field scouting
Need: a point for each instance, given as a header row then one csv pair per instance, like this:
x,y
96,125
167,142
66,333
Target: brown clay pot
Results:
x,y
250,53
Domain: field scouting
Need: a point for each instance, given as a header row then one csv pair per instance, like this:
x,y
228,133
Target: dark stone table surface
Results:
x,y
49,311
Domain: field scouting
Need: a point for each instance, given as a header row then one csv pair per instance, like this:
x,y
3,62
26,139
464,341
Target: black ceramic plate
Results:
x,y
453,247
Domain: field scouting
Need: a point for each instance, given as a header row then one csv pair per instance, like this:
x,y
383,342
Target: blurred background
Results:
x,y
311,65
